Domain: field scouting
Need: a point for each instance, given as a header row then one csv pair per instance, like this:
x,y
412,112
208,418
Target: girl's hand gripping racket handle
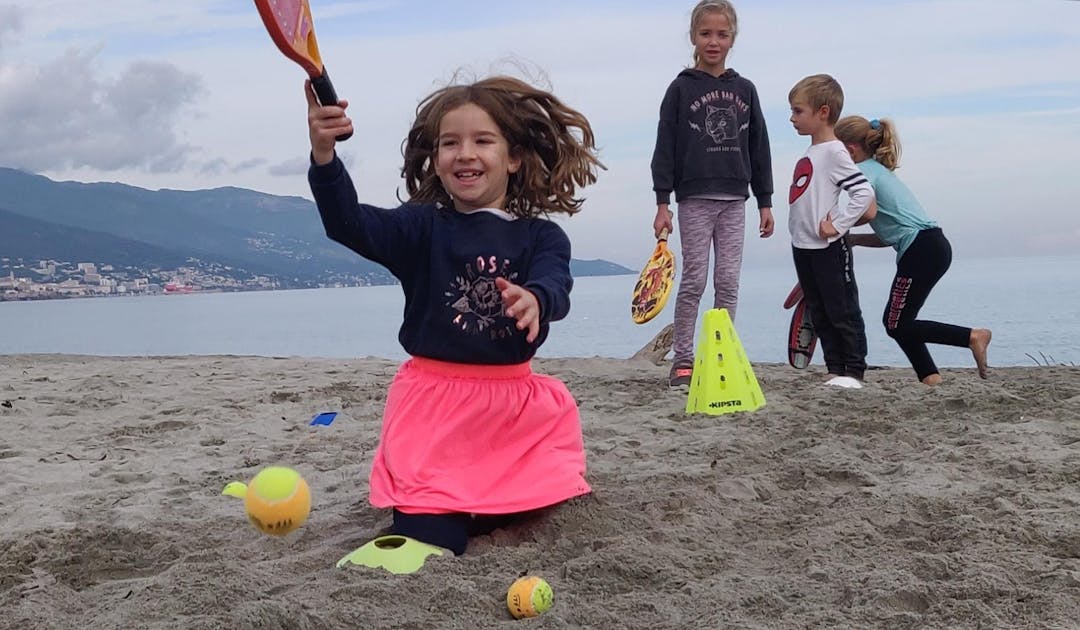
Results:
x,y
324,91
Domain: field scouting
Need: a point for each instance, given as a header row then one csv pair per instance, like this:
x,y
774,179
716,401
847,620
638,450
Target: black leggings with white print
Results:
x,y
917,272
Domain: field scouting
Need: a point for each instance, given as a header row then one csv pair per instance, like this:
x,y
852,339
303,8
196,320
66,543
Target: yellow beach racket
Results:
x,y
654,284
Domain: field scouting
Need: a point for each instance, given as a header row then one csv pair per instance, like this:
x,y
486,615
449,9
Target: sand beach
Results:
x,y
895,506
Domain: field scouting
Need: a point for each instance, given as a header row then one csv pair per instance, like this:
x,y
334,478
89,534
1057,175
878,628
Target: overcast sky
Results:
x,y
192,95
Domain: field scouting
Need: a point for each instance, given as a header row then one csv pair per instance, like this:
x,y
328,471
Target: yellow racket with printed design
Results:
x,y
654,284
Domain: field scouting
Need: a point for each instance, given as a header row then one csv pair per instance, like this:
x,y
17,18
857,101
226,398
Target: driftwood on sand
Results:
x,y
659,347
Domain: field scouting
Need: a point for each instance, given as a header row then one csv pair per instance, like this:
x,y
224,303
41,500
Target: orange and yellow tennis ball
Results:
x,y
529,596
277,500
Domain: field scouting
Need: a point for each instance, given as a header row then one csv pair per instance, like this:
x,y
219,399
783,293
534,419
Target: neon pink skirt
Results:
x,y
478,439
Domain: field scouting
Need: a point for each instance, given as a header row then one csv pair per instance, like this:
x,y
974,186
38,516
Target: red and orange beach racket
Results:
x,y
802,338
293,31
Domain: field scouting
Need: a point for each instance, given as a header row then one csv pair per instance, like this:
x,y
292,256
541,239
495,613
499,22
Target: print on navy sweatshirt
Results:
x,y
447,263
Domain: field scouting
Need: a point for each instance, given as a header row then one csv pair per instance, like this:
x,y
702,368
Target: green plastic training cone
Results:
x,y
723,380
396,554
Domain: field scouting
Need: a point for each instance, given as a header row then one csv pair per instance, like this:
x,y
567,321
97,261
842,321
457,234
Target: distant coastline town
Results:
x,y
72,240
51,279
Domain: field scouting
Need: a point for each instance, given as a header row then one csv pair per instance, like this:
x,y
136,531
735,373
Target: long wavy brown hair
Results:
x,y
554,142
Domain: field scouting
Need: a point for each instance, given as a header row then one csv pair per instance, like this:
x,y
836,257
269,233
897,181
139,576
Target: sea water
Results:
x,y
1032,305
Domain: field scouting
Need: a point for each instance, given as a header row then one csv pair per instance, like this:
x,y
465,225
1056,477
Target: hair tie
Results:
x,y
875,124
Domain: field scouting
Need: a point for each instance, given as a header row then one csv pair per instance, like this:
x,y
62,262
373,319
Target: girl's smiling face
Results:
x,y
473,159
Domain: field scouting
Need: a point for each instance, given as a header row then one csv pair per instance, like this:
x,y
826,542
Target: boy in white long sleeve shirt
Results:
x,y
818,226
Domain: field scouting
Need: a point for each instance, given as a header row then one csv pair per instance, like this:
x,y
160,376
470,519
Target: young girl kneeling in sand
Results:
x,y
923,254
468,429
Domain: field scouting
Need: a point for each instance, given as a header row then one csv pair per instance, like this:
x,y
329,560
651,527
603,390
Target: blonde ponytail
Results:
x,y
878,138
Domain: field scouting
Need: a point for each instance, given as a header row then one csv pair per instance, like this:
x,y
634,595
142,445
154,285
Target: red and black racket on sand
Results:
x,y
292,29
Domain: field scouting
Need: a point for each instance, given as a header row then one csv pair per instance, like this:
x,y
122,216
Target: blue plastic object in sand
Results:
x,y
323,419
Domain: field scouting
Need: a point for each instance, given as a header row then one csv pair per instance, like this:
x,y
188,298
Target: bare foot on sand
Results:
x,y
980,341
932,379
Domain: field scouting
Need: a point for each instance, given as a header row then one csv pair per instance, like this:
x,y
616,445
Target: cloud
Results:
x,y
214,167
290,168
248,165
10,22
78,22
67,113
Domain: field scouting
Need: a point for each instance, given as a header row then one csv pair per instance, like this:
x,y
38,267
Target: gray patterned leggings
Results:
x,y
704,223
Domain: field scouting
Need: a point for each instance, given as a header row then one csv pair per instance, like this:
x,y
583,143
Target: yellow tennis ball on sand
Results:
x,y
529,596
278,500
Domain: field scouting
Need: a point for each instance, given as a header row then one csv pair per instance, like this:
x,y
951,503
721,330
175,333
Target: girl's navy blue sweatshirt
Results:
x,y
447,262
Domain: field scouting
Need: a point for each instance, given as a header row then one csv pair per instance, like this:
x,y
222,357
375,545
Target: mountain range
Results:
x,y
246,231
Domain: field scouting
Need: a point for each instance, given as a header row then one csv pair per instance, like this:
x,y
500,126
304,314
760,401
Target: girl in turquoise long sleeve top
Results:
x,y
923,254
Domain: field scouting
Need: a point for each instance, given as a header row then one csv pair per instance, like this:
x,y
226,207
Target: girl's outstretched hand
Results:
x,y
521,304
325,124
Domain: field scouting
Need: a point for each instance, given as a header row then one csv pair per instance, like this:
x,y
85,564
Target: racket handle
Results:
x,y
324,91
